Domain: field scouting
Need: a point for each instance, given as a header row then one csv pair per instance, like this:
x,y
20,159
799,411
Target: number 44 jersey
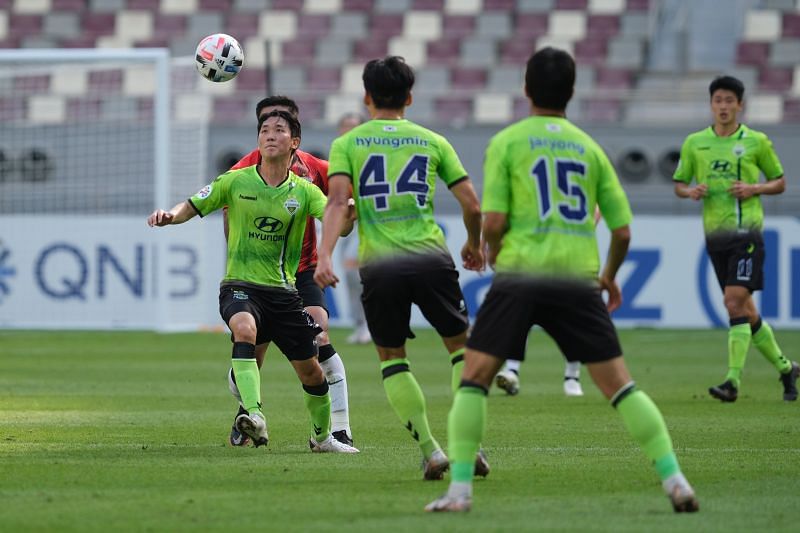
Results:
x,y
393,166
547,176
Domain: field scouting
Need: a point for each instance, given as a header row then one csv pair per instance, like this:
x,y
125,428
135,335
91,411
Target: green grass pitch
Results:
x,y
128,431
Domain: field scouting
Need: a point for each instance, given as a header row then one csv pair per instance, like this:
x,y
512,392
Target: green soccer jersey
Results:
x,y
718,162
393,166
265,223
547,176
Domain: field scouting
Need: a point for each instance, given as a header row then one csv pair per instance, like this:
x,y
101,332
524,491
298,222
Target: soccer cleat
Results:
x,y
683,499
237,438
450,504
481,464
572,387
508,381
434,467
725,392
254,426
330,445
789,381
343,437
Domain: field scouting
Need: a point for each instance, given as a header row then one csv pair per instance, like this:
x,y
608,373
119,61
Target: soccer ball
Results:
x,y
219,57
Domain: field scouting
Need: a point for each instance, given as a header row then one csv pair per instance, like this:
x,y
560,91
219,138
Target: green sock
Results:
x,y
457,362
466,425
738,344
764,340
644,422
408,402
318,403
248,378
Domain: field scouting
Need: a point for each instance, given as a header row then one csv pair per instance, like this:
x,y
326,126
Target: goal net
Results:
x,y
87,150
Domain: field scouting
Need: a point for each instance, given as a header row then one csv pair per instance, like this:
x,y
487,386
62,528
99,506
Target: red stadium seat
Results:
x,y
443,52
752,53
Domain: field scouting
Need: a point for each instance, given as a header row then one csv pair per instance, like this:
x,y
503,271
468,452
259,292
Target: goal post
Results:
x,y
87,149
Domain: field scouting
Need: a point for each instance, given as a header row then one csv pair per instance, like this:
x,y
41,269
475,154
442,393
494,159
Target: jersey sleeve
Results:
x,y
339,160
685,170
212,197
768,160
611,198
317,201
450,170
496,180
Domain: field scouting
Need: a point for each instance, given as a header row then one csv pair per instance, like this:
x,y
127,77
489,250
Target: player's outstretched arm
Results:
x,y
333,223
684,190
472,252
617,250
177,215
495,226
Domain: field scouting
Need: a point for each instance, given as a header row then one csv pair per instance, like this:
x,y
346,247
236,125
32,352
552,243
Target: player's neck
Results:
x,y
544,112
725,130
275,171
388,114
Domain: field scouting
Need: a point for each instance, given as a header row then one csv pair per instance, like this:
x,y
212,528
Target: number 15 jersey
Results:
x,y
393,166
547,175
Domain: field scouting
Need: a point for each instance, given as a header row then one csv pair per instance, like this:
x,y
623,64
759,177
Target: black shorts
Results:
x,y
309,291
738,260
573,314
390,287
279,315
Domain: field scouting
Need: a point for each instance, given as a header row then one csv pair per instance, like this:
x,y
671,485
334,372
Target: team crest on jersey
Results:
x,y
389,127
553,128
738,150
291,205
204,192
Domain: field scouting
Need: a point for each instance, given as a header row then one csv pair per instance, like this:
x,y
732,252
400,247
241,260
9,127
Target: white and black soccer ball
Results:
x,y
219,57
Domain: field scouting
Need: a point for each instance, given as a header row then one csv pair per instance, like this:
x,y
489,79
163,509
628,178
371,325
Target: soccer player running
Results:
x,y
314,170
392,164
268,206
543,177
725,160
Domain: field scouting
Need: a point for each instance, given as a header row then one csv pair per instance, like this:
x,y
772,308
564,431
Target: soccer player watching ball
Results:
x,y
314,170
725,161
257,297
392,164
546,260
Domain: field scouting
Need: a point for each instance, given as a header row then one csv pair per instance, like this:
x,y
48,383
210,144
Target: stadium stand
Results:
x,y
470,51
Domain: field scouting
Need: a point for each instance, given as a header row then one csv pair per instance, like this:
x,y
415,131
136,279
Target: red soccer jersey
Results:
x,y
314,170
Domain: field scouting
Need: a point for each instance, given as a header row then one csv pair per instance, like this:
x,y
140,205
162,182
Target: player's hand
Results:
x,y
614,294
472,258
352,215
159,217
323,274
742,190
698,192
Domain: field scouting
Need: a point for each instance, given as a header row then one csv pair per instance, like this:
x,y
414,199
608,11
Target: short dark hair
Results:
x,y
388,81
550,78
291,120
277,100
727,83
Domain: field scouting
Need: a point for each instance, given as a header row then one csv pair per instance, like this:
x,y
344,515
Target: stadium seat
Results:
x,y
591,51
453,110
458,26
785,53
385,25
493,24
530,25
323,79
333,51
602,26
314,26
790,25
572,4
752,53
241,25
478,52
61,25
791,110
762,25
443,52
775,79
368,49
470,79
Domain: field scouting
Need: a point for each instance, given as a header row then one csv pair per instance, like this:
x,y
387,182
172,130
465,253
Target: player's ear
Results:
x,y
409,99
295,144
367,99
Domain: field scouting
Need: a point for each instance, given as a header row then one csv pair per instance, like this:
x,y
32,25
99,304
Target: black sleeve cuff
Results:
x,y
194,207
459,180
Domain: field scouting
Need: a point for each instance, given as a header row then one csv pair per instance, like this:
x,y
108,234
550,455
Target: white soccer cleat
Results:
x,y
450,504
508,381
330,445
572,387
681,494
254,426
434,467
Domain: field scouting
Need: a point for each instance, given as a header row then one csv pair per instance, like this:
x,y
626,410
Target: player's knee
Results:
x,y
244,332
323,339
